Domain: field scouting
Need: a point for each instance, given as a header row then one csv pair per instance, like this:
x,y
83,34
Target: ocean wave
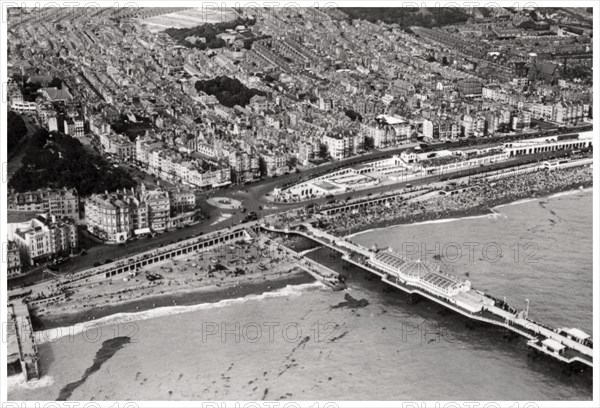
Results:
x,y
18,381
52,335
523,201
571,192
470,217
492,215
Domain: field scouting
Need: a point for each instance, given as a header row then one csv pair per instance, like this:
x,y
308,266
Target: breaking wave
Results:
x,y
18,381
52,335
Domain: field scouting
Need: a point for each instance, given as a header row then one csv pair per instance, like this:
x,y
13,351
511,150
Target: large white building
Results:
x,y
116,217
275,163
548,144
244,166
43,237
387,131
24,107
74,127
336,146
118,144
344,144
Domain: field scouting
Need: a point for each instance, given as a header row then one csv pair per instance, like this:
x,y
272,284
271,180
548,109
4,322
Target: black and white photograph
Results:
x,y
304,204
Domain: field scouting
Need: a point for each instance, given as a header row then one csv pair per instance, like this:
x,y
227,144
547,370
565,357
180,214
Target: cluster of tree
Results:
x,y
485,12
131,129
262,167
292,162
56,160
410,16
323,151
579,71
207,31
535,26
353,115
248,42
228,91
15,130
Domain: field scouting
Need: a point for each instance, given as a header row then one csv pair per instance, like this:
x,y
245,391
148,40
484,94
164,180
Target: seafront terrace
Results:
x,y
142,259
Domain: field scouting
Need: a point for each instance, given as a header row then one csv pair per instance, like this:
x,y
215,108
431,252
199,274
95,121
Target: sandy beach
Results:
x,y
225,272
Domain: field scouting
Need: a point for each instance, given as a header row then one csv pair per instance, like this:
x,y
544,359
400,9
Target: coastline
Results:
x,y
471,212
181,297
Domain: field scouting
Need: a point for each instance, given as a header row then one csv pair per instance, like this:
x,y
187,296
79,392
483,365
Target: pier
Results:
x,y
566,345
21,344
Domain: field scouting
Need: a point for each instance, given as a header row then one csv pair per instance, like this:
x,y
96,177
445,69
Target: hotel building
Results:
x,y
43,237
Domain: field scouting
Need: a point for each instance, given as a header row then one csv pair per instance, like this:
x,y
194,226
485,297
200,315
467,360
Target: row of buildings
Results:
x,y
118,216
113,217
59,202
173,165
561,111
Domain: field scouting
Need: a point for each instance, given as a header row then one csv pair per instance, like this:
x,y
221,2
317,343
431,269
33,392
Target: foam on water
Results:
x,y
52,335
492,215
526,200
18,382
571,192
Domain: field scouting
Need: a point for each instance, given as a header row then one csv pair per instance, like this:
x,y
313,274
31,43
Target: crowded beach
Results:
x,y
474,196
222,267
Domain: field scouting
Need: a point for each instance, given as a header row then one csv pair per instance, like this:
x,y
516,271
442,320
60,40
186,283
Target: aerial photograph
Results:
x,y
288,205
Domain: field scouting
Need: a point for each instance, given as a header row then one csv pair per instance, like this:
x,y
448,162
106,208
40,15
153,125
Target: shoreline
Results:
x,y
182,297
471,212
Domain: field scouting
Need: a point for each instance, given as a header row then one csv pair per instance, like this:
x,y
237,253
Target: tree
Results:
x,y
262,166
292,162
55,83
228,91
369,143
353,115
15,130
65,163
323,151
